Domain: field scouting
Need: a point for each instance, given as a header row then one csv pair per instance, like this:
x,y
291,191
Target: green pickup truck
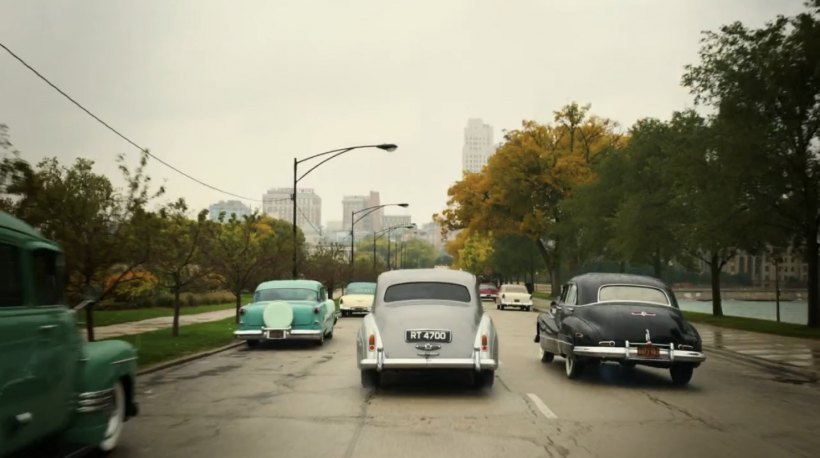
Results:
x,y
54,386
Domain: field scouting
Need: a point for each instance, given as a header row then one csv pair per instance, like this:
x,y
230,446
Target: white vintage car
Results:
x,y
513,296
427,319
358,298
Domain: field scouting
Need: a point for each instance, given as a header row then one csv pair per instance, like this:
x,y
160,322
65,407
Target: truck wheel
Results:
x,y
115,420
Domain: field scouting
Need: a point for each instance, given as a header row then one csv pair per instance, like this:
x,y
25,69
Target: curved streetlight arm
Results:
x,y
338,153
373,209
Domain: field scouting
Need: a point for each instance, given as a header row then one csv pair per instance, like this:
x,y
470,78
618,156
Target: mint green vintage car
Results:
x,y
287,310
53,384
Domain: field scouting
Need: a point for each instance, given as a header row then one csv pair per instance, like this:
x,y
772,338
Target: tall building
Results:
x,y
277,203
230,207
370,223
478,145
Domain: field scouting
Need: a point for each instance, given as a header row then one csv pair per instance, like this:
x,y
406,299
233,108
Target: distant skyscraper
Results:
x,y
229,207
478,145
277,203
371,222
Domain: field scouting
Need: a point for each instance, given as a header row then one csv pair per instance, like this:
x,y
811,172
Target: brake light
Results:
x,y
242,311
484,342
371,342
316,310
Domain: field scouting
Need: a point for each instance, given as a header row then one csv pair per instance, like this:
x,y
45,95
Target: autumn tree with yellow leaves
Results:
x,y
520,190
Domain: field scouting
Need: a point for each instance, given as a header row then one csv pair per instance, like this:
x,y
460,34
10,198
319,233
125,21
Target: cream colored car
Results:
x,y
513,296
358,298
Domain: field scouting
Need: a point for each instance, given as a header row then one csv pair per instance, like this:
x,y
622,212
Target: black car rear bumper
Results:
x,y
667,353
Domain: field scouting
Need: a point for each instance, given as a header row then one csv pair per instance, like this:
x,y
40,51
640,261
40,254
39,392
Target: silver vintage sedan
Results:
x,y
427,319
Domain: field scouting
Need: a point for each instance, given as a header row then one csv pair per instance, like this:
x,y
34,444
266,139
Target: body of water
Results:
x,y
790,311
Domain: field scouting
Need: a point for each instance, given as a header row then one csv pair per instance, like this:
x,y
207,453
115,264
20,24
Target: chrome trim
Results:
x,y
95,401
380,363
126,360
288,333
544,336
631,354
477,358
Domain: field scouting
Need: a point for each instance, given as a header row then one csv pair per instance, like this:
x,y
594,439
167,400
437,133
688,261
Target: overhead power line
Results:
x,y
118,133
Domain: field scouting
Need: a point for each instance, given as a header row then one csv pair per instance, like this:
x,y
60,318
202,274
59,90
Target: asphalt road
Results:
x,y
304,401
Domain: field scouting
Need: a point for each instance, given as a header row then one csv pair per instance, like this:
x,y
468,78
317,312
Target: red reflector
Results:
x,y
242,311
484,342
316,310
372,342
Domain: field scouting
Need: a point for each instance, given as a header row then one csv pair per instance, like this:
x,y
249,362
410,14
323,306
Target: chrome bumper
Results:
x,y
381,363
362,309
668,353
279,334
95,401
517,304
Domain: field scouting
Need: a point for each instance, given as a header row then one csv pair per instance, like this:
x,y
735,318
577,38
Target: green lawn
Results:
x,y
751,324
158,346
107,317
541,295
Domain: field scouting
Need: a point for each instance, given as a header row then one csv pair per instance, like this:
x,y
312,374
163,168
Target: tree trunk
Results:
x,y
714,268
813,260
175,326
237,294
553,266
657,265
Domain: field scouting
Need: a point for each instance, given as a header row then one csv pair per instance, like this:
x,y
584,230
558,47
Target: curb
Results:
x,y
806,375
187,358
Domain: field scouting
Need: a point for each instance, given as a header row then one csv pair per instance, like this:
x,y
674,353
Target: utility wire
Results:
x,y
134,144
318,231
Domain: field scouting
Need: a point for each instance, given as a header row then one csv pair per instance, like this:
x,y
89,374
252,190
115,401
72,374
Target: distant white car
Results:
x,y
358,298
514,296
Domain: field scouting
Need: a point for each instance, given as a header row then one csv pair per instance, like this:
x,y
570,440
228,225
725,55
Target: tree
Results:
x,y
179,262
521,188
328,264
765,85
97,226
241,249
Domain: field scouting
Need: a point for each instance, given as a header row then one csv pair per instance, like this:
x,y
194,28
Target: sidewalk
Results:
x,y
152,324
788,352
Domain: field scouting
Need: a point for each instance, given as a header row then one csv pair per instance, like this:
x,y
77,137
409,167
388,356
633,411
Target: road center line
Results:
x,y
539,404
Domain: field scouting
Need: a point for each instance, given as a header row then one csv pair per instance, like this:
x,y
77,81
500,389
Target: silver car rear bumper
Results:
x,y
668,353
381,363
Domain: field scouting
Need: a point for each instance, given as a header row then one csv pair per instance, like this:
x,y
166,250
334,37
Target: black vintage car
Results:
x,y
632,319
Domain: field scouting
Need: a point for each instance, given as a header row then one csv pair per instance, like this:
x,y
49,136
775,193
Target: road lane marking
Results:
x,y
539,404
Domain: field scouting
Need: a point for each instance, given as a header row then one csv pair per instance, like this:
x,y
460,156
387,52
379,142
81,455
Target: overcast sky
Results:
x,y
232,91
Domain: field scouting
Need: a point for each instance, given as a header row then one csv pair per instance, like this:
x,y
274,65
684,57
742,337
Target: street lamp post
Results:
x,y
354,220
389,230
296,162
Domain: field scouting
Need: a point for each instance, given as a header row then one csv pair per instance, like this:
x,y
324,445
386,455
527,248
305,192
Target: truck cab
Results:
x,y
53,384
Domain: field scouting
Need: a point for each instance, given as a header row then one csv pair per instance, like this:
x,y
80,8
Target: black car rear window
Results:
x,y
427,291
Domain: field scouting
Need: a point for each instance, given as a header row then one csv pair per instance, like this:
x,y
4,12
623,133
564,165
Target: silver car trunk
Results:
x,y
459,318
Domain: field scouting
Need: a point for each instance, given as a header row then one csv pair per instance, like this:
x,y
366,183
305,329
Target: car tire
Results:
x,y
116,420
252,343
371,378
503,307
329,335
547,357
321,340
573,367
681,374
484,379
497,307
344,314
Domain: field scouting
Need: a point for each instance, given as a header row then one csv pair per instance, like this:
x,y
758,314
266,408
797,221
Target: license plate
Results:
x,y
649,351
516,300
277,334
427,335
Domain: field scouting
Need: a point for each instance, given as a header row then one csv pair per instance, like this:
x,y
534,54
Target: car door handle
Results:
x,y
48,327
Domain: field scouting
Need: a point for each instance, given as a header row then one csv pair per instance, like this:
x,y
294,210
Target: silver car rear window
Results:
x,y
427,291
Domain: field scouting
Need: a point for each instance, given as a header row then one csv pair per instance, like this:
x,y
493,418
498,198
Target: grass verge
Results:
x,y
542,295
108,317
158,346
754,325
